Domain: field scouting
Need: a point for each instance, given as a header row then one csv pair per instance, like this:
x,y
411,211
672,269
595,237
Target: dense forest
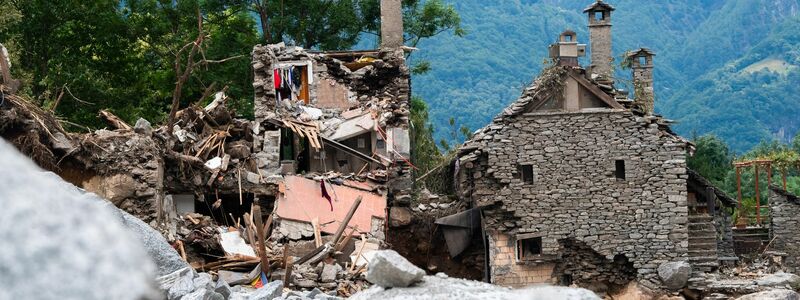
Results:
x,y
727,67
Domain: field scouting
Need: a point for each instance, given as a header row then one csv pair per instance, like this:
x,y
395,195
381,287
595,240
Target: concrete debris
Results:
x,y
675,275
388,269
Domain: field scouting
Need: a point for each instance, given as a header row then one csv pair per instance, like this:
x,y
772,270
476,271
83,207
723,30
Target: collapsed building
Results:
x,y
328,151
576,183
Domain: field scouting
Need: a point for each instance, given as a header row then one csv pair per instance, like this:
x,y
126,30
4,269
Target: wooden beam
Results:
x,y
113,120
262,248
347,218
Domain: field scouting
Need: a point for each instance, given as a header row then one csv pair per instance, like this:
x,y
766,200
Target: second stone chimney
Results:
x,y
567,50
641,63
600,38
391,24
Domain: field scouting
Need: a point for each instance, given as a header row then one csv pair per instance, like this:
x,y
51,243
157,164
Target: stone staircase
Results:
x,y
702,249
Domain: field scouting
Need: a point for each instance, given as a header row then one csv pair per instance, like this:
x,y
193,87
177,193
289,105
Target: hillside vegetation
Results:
x,y
701,46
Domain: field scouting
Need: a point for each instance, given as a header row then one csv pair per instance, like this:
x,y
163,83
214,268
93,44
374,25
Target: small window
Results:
x,y
619,171
526,173
642,61
566,280
362,143
380,144
529,248
598,15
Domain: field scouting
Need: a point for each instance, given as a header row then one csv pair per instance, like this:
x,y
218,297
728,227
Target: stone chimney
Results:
x,y
641,63
600,38
391,24
567,50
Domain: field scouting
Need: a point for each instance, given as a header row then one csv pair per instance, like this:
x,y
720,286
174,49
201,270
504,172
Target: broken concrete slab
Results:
x,y
388,269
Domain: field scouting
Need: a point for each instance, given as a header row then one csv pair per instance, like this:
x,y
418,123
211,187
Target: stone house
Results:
x,y
785,218
578,184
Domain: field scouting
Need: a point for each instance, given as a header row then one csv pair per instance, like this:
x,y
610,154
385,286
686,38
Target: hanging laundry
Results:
x,y
276,78
325,193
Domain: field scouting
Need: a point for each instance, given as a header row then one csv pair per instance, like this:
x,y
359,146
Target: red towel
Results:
x,y
325,193
276,78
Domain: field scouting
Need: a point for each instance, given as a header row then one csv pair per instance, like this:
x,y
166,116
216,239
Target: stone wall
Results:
x,y
575,193
785,213
723,222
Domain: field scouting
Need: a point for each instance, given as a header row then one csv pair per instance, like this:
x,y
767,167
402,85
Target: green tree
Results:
x,y
424,155
796,143
711,158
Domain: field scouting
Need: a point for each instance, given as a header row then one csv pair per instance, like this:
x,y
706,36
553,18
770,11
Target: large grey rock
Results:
x,y
675,275
441,287
143,126
772,295
270,291
779,279
329,272
389,269
58,243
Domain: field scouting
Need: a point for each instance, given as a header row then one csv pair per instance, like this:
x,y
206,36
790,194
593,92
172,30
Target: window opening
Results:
x,y
642,61
619,171
526,173
529,248
598,15
291,83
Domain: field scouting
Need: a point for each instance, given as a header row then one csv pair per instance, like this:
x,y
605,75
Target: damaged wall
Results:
x,y
575,191
129,171
785,213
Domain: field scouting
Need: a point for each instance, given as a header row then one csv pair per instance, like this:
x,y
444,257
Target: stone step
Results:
x,y
702,226
696,260
703,253
704,238
702,246
700,219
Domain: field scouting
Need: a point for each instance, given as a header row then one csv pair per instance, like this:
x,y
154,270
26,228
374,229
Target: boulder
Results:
x,y
779,279
675,275
143,127
772,295
49,228
399,216
388,269
270,291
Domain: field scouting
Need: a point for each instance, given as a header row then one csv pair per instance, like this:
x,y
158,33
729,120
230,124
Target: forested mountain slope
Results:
x,y
700,47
